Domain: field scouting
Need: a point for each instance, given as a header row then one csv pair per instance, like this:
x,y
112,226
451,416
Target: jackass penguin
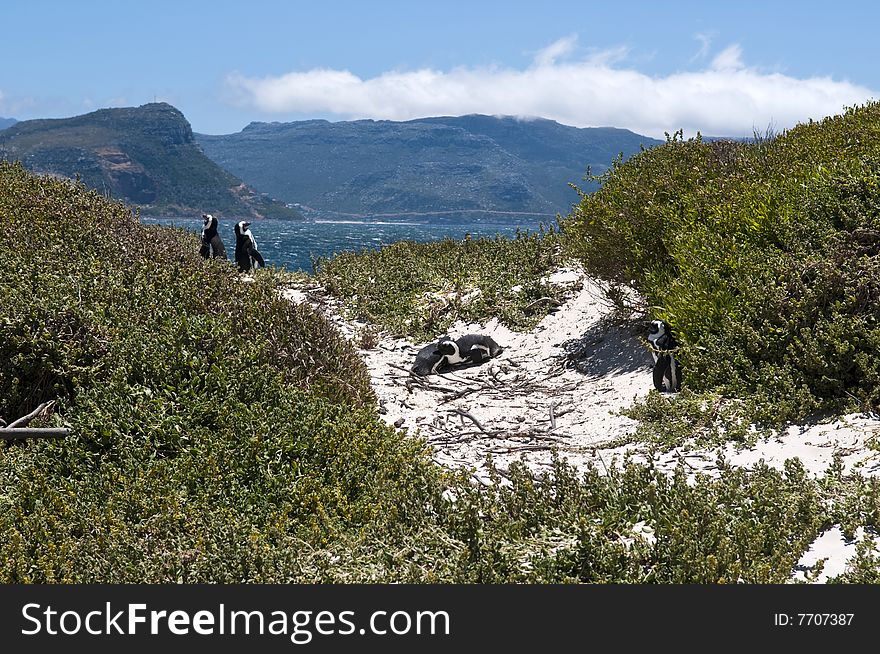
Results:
x,y
246,254
667,373
470,348
212,244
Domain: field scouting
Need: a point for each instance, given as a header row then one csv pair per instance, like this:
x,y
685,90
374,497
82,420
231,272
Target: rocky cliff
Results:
x,y
145,155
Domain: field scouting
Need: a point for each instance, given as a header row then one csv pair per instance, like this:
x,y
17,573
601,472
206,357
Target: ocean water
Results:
x,y
293,244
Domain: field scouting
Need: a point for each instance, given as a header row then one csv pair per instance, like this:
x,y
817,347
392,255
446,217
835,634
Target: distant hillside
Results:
x,y
7,122
146,156
428,165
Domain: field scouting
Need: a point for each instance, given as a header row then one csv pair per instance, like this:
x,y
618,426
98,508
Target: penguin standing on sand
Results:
x,y
246,254
470,348
667,374
212,244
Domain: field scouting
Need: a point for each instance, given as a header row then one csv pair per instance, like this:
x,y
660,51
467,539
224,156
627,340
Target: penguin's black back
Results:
x,y
467,342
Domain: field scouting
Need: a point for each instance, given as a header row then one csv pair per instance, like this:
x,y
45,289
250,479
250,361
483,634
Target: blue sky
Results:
x,y
721,68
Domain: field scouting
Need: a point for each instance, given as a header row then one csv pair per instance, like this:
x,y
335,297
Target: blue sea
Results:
x,y
293,244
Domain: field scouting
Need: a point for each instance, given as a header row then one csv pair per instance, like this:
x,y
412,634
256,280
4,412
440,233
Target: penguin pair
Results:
x,y
667,373
471,348
212,244
246,254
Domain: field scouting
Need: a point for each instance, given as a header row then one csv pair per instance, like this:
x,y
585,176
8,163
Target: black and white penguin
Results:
x,y
667,373
212,244
470,348
246,254
429,361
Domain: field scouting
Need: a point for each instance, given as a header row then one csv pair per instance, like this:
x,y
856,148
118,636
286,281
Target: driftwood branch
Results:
x,y
406,370
427,386
457,395
522,448
471,382
24,420
551,300
17,429
21,433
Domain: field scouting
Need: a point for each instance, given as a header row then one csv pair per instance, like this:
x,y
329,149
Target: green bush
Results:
x,y
221,434
761,255
421,289
210,418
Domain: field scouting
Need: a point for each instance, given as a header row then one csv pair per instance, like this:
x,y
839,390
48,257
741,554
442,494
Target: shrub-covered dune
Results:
x,y
221,434
216,428
422,289
762,255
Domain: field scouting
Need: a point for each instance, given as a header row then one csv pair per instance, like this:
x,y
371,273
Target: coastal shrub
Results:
x,y
84,283
565,526
221,434
421,289
698,419
762,255
210,419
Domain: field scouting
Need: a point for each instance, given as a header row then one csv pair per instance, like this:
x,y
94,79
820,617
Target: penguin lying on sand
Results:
x,y
429,361
246,254
667,374
212,244
447,352
470,348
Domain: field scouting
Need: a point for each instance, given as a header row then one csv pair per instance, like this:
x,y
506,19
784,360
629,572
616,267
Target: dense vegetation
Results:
x,y
762,255
219,433
421,289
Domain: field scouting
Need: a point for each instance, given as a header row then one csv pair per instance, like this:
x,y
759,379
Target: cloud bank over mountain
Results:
x,y
724,96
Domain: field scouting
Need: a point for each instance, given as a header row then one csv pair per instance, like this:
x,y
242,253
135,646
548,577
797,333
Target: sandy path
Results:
x,y
526,401
562,385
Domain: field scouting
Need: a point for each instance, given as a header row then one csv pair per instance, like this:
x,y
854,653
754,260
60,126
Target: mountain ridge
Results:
x,y
145,155
442,164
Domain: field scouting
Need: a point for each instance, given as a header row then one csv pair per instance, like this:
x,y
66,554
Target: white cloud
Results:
x,y
705,39
15,107
556,50
725,98
728,59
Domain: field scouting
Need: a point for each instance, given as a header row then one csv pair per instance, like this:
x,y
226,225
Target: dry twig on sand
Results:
x,y
469,416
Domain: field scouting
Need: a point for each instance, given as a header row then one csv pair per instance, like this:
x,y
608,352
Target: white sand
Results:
x,y
532,398
834,550
525,402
